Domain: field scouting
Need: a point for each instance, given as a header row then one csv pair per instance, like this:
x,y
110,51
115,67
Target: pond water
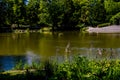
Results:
x,y
43,46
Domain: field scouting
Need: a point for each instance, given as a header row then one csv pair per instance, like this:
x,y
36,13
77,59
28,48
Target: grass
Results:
x,y
80,68
103,25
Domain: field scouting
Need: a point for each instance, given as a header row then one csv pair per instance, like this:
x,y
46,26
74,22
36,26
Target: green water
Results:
x,y
48,44
28,46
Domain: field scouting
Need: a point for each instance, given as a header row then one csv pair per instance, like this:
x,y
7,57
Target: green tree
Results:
x,y
19,9
62,14
56,10
112,7
97,12
115,19
68,18
44,17
84,18
32,12
3,13
10,12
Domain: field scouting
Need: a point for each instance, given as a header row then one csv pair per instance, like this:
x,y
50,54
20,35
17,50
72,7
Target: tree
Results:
x,y
19,9
112,7
32,12
62,14
115,19
69,9
10,12
3,13
44,17
97,12
56,10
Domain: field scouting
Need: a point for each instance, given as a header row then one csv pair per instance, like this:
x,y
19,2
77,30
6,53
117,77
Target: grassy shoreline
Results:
x,y
80,68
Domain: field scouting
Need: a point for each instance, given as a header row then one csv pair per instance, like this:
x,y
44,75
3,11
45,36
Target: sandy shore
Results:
x,y
108,29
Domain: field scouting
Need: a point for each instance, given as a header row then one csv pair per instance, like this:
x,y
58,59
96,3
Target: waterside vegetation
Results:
x,y
80,68
58,14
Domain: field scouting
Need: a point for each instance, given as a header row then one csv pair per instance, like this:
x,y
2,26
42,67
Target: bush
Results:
x,y
103,25
80,68
19,65
115,19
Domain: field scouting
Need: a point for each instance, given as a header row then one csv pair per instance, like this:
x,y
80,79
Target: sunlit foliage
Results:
x,y
58,14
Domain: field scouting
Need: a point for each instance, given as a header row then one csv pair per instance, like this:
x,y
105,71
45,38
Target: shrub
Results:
x,y
115,19
19,65
103,25
80,68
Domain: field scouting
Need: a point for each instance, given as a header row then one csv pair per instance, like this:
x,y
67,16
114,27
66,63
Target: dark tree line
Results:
x,y
59,14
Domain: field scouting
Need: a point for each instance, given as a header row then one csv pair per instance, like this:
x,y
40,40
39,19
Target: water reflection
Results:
x,y
94,53
31,57
15,47
8,62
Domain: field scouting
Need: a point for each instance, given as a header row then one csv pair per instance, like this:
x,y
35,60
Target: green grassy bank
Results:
x,y
80,68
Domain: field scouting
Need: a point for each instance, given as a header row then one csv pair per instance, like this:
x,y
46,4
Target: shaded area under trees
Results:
x,y
58,14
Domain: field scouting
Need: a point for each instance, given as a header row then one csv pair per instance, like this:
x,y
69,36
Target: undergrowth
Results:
x,y
80,68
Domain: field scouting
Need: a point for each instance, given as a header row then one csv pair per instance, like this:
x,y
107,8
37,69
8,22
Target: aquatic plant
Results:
x,y
19,65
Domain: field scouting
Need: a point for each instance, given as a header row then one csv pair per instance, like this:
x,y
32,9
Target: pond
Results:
x,y
43,46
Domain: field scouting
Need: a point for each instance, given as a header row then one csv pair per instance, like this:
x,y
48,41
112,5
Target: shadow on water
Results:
x,y
92,53
9,62
37,47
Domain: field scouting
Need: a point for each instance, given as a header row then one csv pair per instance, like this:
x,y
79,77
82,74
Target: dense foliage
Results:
x,y
115,19
80,68
58,14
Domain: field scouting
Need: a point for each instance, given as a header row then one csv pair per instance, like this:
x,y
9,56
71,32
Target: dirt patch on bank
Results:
x,y
108,29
